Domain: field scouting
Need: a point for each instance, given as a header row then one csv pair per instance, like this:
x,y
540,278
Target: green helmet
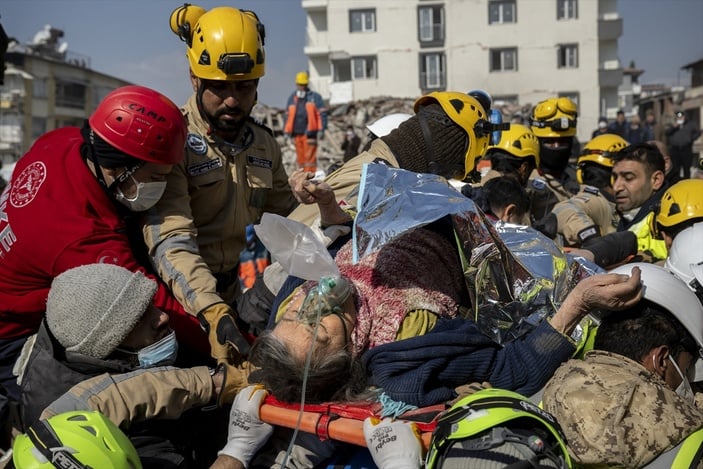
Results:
x,y
75,440
496,423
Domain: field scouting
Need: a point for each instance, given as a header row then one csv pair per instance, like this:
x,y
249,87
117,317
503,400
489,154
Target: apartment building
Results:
x,y
46,87
520,51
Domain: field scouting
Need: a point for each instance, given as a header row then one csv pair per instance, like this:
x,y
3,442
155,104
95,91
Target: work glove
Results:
x,y
227,344
233,379
247,434
394,444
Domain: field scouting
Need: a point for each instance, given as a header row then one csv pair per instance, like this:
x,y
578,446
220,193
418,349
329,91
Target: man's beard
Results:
x,y
228,127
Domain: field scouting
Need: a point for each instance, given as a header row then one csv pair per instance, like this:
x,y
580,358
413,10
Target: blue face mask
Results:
x,y
160,353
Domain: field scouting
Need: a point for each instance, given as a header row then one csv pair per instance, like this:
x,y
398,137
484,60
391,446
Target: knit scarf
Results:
x,y
419,270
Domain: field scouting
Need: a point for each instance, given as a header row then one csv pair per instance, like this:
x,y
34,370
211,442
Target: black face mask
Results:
x,y
555,159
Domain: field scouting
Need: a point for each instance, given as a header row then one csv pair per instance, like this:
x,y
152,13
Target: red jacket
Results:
x,y
54,215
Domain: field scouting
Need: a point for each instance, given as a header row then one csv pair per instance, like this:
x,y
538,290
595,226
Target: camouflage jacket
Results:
x,y
616,413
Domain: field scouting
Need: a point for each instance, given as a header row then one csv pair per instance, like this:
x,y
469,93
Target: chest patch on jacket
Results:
x,y
204,167
259,162
196,143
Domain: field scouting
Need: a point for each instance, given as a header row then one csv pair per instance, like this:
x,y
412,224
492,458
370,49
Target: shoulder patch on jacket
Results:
x,y
591,190
196,143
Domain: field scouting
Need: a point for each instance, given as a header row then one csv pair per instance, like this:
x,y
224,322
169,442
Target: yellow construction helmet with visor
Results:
x,y
554,117
599,151
224,43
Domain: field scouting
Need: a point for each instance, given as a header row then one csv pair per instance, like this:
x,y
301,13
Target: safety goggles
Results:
x,y
548,109
562,123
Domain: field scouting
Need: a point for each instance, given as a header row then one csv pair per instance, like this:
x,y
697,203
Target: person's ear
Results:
x,y
657,180
509,212
657,360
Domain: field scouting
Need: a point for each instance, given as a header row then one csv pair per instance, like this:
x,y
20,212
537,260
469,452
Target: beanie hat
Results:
x,y
92,308
443,153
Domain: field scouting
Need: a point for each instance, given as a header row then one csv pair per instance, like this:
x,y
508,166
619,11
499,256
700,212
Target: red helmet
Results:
x,y
141,123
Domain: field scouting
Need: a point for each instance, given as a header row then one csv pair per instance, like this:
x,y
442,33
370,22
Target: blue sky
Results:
x,y
131,39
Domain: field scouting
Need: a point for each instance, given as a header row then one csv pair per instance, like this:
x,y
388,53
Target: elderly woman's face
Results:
x,y
333,334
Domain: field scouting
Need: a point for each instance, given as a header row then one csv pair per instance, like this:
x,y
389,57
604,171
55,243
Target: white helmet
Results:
x,y
387,124
664,289
685,258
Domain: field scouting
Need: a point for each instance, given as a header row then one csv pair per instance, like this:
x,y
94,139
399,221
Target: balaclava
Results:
x,y
440,149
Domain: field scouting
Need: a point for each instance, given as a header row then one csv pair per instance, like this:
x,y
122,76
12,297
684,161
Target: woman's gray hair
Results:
x,y
331,376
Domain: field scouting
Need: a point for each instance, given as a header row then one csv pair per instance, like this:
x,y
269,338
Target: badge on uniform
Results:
x,y
539,184
196,143
259,162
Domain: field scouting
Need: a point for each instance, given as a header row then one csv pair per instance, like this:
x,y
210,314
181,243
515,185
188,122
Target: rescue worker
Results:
x,y
70,202
306,121
516,154
232,173
553,121
457,135
680,206
629,400
638,184
591,212
104,346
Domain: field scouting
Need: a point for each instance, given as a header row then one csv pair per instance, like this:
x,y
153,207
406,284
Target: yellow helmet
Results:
x,y
554,117
518,141
681,203
223,44
301,78
601,149
466,112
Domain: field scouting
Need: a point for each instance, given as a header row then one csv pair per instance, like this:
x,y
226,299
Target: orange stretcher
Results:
x,y
343,421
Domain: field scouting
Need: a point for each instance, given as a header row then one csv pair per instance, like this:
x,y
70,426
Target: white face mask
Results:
x,y
300,93
148,193
684,389
679,121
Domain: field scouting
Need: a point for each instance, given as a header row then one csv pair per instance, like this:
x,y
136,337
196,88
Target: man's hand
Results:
x,y
308,191
227,345
247,433
394,444
228,380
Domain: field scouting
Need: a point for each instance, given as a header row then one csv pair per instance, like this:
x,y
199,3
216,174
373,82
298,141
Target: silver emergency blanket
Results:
x,y
515,275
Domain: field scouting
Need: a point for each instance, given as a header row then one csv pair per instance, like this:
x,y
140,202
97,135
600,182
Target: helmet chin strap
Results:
x,y
201,108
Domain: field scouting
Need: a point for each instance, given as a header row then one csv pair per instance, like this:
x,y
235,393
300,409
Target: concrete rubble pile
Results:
x,y
357,114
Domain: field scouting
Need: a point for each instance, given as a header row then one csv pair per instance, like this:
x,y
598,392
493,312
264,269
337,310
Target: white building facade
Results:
x,y
520,51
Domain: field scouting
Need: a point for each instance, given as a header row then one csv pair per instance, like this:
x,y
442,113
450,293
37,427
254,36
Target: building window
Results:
x,y
38,127
39,88
568,56
430,21
70,94
362,21
567,9
433,74
364,67
503,59
502,11
341,70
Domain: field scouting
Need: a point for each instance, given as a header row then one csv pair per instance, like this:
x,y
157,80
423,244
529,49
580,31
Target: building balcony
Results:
x,y
609,27
316,43
610,74
315,5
